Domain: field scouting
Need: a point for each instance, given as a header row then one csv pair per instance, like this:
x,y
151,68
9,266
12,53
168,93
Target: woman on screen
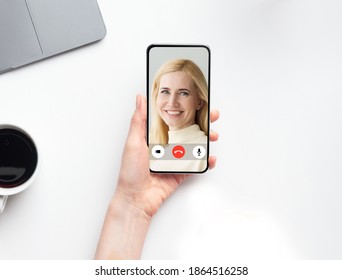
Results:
x,y
179,104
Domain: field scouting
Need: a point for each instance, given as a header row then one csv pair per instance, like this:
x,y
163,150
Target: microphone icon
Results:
x,y
198,152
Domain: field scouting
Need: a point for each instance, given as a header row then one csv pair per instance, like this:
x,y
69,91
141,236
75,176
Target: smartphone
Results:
x,y
178,96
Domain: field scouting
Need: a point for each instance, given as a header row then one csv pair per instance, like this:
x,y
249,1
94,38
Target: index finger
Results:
x,y
214,115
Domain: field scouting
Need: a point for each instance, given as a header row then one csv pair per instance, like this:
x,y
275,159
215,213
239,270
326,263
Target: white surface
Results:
x,y
276,78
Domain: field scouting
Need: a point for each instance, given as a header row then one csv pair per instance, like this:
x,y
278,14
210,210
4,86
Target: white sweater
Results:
x,y
191,134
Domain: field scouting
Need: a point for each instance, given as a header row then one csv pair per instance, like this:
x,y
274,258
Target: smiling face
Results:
x,y
177,100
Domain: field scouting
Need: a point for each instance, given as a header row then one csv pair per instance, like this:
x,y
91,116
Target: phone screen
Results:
x,y
178,87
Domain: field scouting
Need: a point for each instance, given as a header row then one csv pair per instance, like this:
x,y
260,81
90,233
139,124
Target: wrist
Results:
x,y
124,232
128,208
139,199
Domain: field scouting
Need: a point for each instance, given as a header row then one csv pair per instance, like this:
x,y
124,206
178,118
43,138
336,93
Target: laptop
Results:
x,y
31,30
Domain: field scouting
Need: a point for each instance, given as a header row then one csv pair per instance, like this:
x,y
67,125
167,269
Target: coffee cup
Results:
x,y
18,161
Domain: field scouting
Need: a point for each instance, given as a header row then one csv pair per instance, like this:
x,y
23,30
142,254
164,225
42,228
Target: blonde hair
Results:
x,y
159,129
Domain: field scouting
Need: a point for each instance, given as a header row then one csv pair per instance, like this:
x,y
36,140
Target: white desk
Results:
x,y
276,78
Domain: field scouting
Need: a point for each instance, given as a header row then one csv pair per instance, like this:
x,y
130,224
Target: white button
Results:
x,y
158,151
199,152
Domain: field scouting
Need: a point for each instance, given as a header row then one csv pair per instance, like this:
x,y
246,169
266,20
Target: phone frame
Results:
x,y
148,100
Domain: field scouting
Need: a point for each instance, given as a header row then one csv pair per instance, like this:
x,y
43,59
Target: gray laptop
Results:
x,y
32,30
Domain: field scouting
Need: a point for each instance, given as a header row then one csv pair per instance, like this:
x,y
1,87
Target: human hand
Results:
x,y
137,186
139,193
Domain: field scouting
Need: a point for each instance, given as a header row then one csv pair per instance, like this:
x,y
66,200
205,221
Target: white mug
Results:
x,y
19,161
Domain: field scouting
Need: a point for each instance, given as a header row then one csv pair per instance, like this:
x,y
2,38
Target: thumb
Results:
x,y
137,131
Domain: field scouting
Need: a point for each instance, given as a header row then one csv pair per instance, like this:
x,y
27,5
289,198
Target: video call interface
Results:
x,y
178,119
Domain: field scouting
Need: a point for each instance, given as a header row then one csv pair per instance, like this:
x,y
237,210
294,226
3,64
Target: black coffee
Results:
x,y
18,158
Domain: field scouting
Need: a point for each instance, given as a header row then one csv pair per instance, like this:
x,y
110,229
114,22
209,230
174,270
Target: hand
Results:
x,y
137,185
139,193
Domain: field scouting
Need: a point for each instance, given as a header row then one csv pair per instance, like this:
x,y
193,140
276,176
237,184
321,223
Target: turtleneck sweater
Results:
x,y
191,134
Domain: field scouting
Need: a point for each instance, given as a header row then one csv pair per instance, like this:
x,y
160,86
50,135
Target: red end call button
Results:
x,y
178,152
